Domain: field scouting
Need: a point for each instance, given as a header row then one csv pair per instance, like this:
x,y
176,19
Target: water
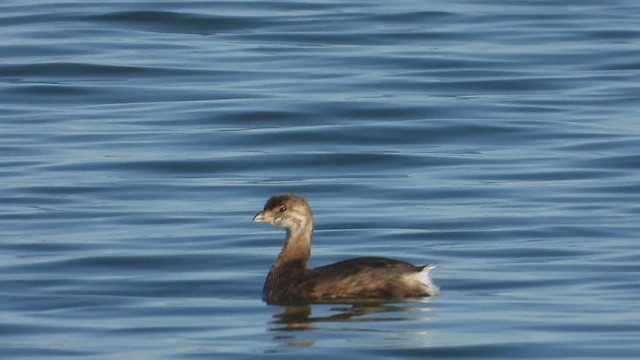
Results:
x,y
498,140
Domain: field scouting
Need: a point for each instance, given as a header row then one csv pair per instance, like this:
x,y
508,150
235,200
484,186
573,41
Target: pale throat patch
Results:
x,y
299,222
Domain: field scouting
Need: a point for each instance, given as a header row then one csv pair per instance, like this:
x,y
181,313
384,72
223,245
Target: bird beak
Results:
x,y
261,217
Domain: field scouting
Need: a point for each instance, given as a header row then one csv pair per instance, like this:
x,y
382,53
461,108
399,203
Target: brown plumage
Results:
x,y
365,278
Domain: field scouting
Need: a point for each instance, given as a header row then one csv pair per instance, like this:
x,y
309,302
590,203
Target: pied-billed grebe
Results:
x,y
365,278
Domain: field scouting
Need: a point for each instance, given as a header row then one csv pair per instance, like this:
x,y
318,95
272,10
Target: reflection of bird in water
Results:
x,y
290,282
298,319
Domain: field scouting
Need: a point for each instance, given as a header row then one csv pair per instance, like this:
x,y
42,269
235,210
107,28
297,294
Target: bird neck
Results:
x,y
297,247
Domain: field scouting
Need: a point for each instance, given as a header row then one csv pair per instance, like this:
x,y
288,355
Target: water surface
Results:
x,y
498,140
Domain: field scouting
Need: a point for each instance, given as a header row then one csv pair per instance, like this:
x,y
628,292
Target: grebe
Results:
x,y
364,278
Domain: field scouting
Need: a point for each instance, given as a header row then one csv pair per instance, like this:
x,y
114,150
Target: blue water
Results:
x,y
499,140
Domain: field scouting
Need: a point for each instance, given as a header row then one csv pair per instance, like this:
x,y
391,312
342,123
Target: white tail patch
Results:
x,y
424,278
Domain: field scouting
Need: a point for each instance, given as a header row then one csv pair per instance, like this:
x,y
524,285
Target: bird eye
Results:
x,y
283,208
